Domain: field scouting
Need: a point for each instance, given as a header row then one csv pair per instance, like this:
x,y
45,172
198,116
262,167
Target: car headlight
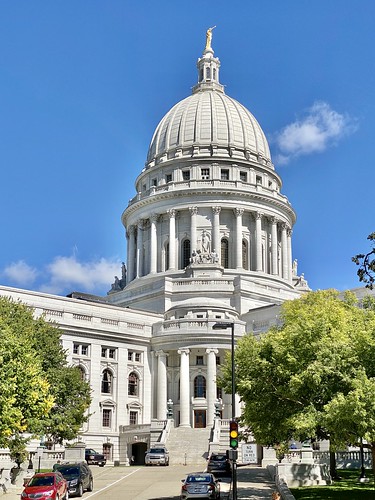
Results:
x,y
73,482
49,493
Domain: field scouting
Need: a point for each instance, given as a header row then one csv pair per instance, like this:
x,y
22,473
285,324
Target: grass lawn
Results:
x,y
348,488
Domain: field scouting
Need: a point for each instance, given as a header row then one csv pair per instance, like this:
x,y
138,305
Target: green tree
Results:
x,y
366,263
36,384
292,377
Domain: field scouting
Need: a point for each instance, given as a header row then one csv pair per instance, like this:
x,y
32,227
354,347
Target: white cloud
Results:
x,y
68,273
20,273
320,128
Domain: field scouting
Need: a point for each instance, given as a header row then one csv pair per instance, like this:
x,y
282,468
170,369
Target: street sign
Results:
x,y
249,453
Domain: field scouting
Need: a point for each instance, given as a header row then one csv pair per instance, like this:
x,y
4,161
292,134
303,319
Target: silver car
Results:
x,y
157,456
200,485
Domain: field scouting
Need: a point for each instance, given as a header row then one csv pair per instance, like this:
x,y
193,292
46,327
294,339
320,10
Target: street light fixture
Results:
x,y
225,326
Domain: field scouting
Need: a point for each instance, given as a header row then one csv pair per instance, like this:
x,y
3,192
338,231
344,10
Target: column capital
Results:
x,y
212,350
154,217
258,215
183,350
289,231
161,353
238,212
131,229
216,210
274,220
140,223
171,213
193,210
284,226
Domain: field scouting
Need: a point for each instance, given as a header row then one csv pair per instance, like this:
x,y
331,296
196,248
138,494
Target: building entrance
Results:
x,y
199,418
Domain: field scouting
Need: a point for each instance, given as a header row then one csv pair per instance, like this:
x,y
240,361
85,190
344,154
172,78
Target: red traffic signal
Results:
x,y
233,434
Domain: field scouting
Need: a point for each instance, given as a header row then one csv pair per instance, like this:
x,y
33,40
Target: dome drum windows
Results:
x,y
107,381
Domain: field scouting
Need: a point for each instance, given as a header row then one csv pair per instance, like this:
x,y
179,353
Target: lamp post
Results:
x,y
225,326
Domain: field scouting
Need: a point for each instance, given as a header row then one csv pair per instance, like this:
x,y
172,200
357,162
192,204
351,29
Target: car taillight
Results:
x,y
211,487
184,487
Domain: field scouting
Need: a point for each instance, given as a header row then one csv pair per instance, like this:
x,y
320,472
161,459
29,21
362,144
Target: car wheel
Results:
x,y
91,485
101,465
80,490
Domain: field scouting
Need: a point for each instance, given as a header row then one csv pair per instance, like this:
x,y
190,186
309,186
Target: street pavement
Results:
x,y
164,483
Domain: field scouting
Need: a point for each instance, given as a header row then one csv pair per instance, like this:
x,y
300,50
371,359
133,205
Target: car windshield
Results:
x,y
69,471
204,478
93,452
218,457
42,481
157,450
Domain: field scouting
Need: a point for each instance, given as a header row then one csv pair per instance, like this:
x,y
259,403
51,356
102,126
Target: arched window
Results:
x,y
245,255
82,372
133,384
208,73
107,379
166,256
214,73
186,253
225,253
199,387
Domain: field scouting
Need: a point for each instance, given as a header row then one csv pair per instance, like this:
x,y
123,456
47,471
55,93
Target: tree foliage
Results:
x,y
366,263
298,378
39,392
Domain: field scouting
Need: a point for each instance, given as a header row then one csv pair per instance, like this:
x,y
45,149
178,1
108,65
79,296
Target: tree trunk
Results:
x,y
332,466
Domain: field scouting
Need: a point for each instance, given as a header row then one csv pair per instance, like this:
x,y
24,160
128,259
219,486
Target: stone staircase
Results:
x,y
188,446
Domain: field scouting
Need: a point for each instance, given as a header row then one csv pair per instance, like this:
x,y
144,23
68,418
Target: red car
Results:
x,y
46,486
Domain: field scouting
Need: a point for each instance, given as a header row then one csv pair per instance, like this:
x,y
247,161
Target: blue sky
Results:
x,y
83,85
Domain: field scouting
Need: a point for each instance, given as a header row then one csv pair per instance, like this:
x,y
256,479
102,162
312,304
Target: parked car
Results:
x,y
218,464
78,477
157,456
92,457
202,485
46,486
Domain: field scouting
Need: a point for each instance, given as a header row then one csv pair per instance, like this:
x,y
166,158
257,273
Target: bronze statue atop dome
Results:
x,y
209,38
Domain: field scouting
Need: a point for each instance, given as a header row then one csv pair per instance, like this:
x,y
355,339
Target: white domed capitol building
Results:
x,y
209,241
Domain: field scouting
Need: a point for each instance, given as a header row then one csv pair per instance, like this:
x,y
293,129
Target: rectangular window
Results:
x,y
259,179
186,175
75,348
154,182
133,417
243,176
218,360
130,355
137,357
144,187
112,353
104,352
199,360
205,173
224,174
107,414
81,349
84,350
168,178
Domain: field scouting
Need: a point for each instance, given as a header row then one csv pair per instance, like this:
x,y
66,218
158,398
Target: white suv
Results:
x,y
157,456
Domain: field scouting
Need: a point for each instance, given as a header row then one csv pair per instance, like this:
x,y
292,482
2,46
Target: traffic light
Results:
x,y
233,434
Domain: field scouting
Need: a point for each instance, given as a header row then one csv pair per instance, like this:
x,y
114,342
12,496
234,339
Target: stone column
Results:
x,y
161,404
131,254
238,213
184,388
274,245
211,385
284,251
289,246
139,269
172,239
193,228
216,244
154,244
258,241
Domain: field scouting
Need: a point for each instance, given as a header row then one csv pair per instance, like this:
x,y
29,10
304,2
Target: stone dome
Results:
x,y
208,123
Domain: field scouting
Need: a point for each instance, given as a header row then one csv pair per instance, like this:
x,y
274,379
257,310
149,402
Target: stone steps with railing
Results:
x,y
188,446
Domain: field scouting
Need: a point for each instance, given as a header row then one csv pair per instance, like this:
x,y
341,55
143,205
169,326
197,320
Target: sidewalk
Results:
x,y
254,483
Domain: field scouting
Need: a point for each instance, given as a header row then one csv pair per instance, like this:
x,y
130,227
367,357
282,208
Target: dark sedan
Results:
x,y
219,464
78,477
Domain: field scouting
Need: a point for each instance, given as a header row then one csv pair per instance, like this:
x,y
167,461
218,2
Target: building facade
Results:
x,y
209,240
